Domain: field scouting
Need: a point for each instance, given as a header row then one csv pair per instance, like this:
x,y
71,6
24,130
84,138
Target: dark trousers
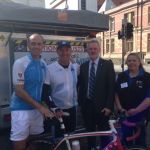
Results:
x,y
53,125
130,131
70,121
95,121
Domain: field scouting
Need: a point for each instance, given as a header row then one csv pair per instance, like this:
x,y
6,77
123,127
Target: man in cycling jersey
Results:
x,y
62,80
27,112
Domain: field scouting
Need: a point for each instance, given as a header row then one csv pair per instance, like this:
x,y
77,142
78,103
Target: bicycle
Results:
x,y
123,120
49,142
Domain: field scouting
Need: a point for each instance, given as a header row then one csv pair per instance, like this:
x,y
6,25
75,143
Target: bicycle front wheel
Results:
x,y
44,144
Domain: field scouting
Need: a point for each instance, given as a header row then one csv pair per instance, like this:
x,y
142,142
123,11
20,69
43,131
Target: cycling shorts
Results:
x,y
25,123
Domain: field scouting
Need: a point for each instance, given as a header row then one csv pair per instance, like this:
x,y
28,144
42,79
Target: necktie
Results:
x,y
92,81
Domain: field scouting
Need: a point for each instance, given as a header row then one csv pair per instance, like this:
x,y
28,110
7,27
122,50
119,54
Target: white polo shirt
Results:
x,y
63,83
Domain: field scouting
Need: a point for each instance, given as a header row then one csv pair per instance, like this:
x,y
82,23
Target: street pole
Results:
x,y
123,52
124,21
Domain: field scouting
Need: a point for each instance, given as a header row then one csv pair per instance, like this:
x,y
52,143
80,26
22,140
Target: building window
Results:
x,y
107,45
112,45
130,17
112,24
129,46
83,4
148,42
148,15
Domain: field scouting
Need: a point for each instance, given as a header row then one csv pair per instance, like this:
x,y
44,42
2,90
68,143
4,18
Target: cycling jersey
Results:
x,y
31,73
63,84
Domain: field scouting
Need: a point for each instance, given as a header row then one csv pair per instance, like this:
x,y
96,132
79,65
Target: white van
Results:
x,y
18,21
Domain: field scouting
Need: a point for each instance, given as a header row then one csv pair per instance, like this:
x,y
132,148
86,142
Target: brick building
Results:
x,y
138,13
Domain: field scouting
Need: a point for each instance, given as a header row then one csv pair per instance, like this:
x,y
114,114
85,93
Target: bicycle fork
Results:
x,y
67,142
62,126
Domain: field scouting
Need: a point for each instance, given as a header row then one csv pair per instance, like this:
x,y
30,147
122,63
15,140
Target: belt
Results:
x,y
88,99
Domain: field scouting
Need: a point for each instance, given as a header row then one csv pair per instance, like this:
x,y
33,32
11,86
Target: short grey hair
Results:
x,y
93,41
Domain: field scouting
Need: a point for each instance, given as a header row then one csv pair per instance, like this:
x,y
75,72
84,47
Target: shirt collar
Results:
x,y
61,67
95,61
141,72
31,58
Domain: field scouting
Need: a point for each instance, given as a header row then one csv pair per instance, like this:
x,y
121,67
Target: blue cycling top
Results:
x,y
31,73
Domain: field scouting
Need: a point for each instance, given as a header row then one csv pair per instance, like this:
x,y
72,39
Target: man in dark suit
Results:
x,y
96,101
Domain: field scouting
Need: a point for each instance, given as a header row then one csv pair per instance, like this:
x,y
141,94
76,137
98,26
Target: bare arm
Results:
x,y
117,102
143,106
20,92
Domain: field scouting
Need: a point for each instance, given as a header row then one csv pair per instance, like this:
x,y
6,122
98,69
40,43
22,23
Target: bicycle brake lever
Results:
x,y
66,114
58,109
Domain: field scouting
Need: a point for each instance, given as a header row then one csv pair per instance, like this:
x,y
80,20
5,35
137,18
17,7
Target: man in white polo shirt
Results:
x,y
62,80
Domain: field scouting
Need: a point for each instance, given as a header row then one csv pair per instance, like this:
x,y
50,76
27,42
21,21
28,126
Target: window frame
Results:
x,y
148,15
107,46
148,42
112,45
129,45
112,24
130,17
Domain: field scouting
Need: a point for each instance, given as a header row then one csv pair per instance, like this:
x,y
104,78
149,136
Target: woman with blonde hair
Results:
x,y
133,95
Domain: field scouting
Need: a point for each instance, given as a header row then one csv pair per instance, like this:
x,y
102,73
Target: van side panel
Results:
x,y
5,81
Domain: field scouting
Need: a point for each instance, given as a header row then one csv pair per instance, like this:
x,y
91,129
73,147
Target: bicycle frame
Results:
x,y
115,142
112,132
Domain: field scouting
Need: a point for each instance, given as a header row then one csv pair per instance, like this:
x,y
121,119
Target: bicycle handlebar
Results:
x,y
56,109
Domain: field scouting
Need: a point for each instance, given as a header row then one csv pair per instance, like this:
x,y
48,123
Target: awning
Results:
x,y
21,18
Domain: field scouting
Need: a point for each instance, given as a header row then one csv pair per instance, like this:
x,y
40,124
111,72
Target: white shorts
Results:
x,y
25,123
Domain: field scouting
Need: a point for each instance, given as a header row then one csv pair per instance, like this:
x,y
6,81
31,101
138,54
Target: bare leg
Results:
x,y
19,145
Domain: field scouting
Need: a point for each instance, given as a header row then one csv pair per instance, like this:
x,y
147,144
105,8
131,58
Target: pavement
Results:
x,y
5,143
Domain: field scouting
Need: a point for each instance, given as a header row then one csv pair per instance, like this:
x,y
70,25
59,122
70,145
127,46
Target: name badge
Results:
x,y
124,85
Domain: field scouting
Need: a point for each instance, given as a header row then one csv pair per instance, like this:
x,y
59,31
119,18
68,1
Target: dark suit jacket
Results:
x,y
104,88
